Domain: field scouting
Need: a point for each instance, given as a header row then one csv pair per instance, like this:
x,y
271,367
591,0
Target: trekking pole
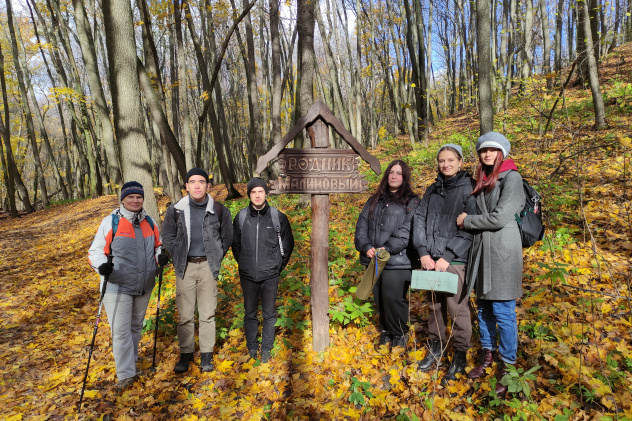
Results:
x,y
94,335
153,360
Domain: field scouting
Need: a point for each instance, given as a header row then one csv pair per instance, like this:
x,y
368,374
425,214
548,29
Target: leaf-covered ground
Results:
x,y
575,317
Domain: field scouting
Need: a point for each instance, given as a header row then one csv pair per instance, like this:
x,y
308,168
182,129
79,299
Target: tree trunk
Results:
x,y
526,50
559,23
186,136
103,113
217,135
305,22
593,72
277,87
25,104
546,36
158,115
483,35
333,74
128,113
13,176
358,75
256,144
44,133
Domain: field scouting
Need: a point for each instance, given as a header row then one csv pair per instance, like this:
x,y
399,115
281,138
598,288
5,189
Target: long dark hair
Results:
x,y
488,182
403,193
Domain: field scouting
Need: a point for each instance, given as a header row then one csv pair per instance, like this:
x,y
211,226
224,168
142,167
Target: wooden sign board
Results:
x,y
318,171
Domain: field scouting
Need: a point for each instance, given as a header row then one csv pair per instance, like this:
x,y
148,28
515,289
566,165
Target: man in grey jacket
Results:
x,y
197,232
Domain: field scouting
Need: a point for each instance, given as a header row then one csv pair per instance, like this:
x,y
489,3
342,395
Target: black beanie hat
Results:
x,y
197,171
257,182
132,187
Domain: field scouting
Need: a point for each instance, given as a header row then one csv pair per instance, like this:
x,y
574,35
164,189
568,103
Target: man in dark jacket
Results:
x,y
197,233
262,245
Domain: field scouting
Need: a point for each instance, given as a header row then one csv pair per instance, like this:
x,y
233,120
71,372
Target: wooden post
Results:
x,y
319,281
319,172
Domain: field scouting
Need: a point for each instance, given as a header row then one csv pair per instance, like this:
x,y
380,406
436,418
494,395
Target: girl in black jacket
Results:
x,y
385,222
443,247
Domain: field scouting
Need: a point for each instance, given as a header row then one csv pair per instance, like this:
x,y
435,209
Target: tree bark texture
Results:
x,y
89,55
593,71
25,104
483,35
128,112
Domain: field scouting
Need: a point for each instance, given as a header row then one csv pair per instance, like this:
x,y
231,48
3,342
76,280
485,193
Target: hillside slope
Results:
x,y
575,317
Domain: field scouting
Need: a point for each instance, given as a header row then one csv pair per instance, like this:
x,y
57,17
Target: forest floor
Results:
x,y
575,318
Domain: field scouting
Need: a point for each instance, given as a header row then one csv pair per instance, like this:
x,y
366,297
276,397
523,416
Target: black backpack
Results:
x,y
530,218
274,213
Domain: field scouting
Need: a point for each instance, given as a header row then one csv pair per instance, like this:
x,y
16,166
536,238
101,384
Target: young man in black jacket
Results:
x,y
262,245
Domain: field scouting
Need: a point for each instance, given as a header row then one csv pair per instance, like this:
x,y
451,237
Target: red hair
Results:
x,y
486,179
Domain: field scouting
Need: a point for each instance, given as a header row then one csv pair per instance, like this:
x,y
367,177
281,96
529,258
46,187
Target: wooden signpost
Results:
x,y
319,171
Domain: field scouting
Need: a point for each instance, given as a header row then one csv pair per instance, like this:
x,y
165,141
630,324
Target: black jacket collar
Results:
x,y
255,212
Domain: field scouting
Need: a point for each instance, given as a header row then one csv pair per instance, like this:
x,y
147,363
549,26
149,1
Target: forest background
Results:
x,y
97,93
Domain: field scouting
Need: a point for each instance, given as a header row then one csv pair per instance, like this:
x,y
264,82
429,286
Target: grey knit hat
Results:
x,y
256,182
494,140
458,148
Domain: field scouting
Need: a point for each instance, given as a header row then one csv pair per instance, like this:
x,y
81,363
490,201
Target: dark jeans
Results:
x,y
390,299
266,293
457,305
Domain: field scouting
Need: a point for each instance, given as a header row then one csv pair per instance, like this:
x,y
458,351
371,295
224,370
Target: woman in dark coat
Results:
x,y
443,247
495,261
385,222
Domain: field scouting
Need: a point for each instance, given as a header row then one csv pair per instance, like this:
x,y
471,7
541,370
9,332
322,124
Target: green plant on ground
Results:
x,y
405,414
555,271
559,240
290,315
359,392
517,382
352,310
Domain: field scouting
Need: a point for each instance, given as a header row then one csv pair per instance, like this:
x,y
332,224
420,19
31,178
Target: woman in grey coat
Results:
x,y
495,262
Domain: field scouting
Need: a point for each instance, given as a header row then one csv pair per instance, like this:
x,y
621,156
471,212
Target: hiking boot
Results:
x,y
486,360
265,356
183,365
459,362
125,383
385,339
206,362
400,341
501,370
432,358
253,353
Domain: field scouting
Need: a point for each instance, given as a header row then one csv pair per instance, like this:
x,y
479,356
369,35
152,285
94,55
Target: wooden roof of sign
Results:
x,y
316,111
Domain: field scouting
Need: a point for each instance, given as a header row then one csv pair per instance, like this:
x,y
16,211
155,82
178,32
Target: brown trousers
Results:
x,y
456,305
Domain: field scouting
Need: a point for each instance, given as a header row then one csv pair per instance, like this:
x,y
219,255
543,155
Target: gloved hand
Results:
x,y
106,268
163,259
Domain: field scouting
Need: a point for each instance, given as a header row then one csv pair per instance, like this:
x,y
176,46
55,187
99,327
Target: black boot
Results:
x,y
253,353
432,358
459,362
206,363
385,339
183,364
401,341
